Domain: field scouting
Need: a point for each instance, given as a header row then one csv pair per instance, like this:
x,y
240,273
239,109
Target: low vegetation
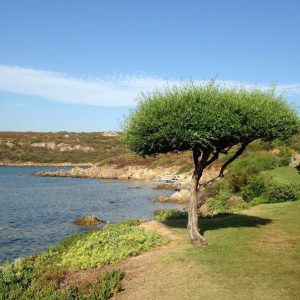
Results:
x,y
40,277
16,147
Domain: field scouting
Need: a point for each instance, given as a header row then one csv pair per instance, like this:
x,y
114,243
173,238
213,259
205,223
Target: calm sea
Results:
x,y
36,212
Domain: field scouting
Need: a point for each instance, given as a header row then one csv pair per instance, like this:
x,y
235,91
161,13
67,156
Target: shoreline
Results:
x,y
180,186
113,172
32,164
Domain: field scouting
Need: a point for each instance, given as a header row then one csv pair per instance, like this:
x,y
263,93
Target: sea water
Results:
x,y
36,212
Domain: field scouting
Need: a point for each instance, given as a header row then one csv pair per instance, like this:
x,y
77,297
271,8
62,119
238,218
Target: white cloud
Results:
x,y
112,91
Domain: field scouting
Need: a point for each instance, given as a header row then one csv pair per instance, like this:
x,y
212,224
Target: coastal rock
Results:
x,y
62,147
89,220
181,196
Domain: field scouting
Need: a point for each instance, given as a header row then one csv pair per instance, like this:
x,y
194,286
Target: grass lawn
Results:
x,y
285,175
251,255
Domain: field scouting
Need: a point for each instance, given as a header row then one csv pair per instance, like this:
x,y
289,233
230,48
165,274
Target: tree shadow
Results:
x,y
221,221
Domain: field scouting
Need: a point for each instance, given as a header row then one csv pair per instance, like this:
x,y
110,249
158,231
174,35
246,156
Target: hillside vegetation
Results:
x,y
96,147
70,147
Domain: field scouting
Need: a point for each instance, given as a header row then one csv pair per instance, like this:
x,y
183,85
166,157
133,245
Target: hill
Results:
x,y
77,148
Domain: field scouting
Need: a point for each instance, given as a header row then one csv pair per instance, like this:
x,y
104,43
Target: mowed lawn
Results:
x,y
285,175
251,255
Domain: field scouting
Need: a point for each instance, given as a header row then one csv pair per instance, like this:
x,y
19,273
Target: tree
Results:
x,y
208,120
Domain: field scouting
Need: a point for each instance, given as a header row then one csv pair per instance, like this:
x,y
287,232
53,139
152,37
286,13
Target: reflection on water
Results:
x,y
36,212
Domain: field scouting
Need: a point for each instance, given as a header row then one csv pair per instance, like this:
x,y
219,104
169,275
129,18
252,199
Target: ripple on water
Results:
x,y
37,212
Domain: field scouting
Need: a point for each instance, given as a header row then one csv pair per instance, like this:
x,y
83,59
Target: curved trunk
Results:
x,y
193,230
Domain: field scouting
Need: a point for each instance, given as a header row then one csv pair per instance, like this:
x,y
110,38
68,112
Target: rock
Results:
x,y
19,261
181,196
110,133
88,220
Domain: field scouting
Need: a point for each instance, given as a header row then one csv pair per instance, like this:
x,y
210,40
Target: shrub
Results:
x,y
113,243
259,200
282,192
106,286
162,215
255,187
219,204
285,157
251,164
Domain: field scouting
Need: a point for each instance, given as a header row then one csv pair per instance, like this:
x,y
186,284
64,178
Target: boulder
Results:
x,y
89,220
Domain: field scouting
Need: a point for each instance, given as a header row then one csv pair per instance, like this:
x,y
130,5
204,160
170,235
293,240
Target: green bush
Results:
x,y
255,187
162,215
284,158
219,204
27,282
251,164
113,243
282,192
106,286
259,200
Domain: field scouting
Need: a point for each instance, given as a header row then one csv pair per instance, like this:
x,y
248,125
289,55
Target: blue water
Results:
x,y
36,212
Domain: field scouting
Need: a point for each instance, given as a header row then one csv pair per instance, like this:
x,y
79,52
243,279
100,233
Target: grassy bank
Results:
x,y
49,275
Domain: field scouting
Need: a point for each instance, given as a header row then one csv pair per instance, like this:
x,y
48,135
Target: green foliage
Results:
x,y
162,215
256,186
244,169
13,280
285,157
259,200
219,204
40,277
106,286
207,116
113,243
27,282
278,192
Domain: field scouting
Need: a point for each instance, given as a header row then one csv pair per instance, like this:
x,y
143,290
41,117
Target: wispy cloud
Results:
x,y
111,91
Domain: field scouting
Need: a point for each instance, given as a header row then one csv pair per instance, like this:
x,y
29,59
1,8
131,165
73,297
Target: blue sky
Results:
x,y
79,65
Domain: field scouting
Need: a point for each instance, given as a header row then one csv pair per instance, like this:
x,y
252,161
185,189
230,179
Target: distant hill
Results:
x,y
72,147
93,147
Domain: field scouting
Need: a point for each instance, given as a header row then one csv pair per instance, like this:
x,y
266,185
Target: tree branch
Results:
x,y
234,157
229,161
210,182
196,155
213,158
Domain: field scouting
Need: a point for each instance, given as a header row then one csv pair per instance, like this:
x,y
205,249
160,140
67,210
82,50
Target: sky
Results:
x,y
81,65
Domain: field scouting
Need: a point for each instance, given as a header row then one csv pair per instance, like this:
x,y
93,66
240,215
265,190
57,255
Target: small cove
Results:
x,y
37,212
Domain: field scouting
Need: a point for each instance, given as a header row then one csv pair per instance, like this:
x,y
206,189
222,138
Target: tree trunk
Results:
x,y
193,230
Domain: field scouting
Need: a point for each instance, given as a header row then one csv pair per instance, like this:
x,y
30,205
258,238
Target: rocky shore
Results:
x,y
181,186
115,172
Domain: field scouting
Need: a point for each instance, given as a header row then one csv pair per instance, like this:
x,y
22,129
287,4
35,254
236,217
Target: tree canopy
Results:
x,y
207,116
208,120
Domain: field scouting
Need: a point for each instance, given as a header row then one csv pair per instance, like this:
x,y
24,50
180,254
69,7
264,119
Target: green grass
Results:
x,y
285,175
251,255
40,277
